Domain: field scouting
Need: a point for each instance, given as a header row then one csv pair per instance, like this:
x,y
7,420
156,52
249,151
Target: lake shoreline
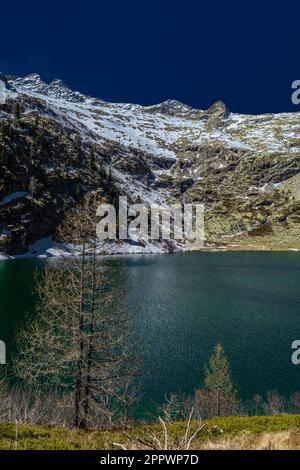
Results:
x,y
230,249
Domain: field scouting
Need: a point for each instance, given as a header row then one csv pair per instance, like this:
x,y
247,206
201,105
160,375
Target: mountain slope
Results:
x,y
58,147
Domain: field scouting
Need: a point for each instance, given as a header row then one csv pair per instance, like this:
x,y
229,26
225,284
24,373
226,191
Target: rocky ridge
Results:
x,y
58,146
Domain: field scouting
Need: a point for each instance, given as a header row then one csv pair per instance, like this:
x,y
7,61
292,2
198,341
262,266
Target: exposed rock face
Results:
x,y
244,168
216,115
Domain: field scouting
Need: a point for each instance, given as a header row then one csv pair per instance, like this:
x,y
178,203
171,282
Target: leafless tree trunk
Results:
x,y
76,343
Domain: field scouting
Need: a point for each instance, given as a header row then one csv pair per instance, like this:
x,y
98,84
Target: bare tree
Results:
x,y
22,405
274,404
167,437
76,341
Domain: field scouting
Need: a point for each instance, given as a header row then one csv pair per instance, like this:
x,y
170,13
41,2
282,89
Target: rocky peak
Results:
x,y
56,89
171,108
30,83
57,83
216,114
32,78
219,107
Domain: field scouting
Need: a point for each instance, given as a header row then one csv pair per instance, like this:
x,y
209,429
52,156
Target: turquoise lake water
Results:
x,y
183,305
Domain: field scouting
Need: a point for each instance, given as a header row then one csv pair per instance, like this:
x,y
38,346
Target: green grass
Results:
x,y
53,438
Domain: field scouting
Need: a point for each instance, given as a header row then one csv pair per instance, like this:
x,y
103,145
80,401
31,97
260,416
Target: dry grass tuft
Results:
x,y
283,440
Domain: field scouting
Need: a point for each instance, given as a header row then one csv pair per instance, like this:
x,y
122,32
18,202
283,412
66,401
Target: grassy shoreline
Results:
x,y
278,431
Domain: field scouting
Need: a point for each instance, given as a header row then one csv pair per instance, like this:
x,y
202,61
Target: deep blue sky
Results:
x,y
246,54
